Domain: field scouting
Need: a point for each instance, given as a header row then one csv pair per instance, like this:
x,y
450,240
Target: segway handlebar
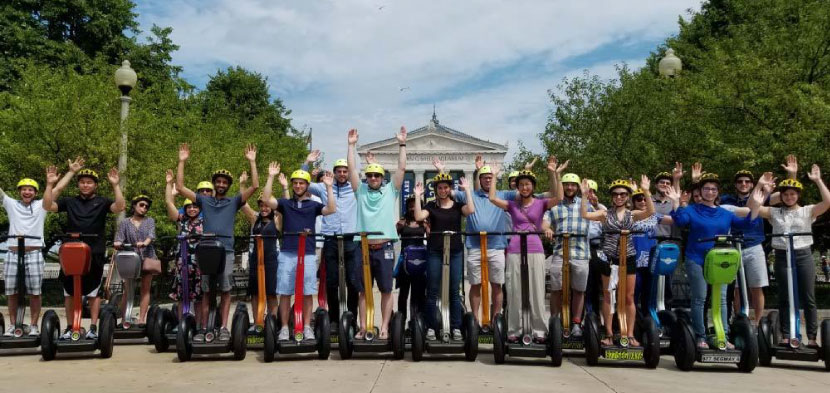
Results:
x,y
621,232
76,235
735,238
667,238
568,234
5,237
785,234
350,234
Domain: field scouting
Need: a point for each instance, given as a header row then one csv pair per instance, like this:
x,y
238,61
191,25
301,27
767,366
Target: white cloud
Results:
x,y
340,64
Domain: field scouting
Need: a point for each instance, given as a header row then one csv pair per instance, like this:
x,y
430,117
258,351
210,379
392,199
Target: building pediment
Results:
x,y
436,138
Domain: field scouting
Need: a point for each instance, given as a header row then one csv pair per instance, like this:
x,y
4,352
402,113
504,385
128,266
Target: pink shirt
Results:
x,y
528,218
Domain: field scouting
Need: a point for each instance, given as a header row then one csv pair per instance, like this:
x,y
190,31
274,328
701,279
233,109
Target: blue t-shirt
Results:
x,y
705,222
298,216
219,216
754,234
643,242
487,217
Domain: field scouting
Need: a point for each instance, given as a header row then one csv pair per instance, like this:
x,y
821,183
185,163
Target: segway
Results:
x,y
769,334
21,338
127,261
298,343
167,320
444,344
721,266
485,333
662,263
560,325
75,258
621,348
256,334
210,255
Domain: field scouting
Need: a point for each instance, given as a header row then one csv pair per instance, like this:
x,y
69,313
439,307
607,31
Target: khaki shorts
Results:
x,y
578,273
495,265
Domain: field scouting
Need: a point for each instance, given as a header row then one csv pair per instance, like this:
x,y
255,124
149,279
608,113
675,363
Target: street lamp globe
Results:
x,y
670,65
125,78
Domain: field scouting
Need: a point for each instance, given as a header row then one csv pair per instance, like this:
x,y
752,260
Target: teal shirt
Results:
x,y
377,211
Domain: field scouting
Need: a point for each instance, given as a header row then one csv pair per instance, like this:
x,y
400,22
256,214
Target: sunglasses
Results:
x,y
373,175
742,181
619,194
709,189
142,204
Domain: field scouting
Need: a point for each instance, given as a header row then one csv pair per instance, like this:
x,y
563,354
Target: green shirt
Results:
x,y
377,211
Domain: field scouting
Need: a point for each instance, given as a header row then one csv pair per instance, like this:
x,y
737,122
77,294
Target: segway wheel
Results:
x,y
745,339
825,343
470,328
668,320
592,339
51,325
239,334
684,346
397,325
270,338
555,330
323,331
651,337
106,337
2,323
499,339
418,337
162,321
775,326
764,342
184,338
150,324
345,335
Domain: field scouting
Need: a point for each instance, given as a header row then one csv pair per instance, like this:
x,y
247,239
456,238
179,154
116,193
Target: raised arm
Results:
x,y
273,170
184,154
492,196
170,197
331,203
284,184
247,211
479,163
697,172
469,207
677,174
596,215
354,174
645,185
763,187
398,179
815,176
250,155
49,196
420,214
556,193
114,177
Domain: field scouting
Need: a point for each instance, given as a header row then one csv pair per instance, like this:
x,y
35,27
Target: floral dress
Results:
x,y
188,227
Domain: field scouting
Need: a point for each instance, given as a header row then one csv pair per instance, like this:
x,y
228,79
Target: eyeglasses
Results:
x,y
742,181
709,189
142,204
205,191
373,175
619,194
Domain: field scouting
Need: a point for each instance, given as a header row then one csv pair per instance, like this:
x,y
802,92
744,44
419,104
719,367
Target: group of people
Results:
x,y
348,204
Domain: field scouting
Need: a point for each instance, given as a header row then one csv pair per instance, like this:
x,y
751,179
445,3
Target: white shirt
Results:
x,y
25,220
318,224
785,220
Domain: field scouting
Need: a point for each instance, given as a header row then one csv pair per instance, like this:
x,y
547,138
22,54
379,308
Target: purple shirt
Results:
x,y
529,219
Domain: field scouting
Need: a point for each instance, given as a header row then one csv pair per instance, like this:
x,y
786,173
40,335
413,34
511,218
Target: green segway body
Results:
x,y
720,268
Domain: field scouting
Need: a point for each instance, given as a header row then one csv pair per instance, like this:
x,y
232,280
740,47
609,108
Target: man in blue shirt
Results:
x,y
219,212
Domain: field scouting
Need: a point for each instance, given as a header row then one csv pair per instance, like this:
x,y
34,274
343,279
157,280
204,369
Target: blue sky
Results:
x,y
487,65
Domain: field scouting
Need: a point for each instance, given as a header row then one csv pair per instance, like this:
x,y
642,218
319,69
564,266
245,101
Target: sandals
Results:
x,y
607,342
633,341
360,335
383,335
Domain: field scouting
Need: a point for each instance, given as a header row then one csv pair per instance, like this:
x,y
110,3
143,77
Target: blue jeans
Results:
x,y
697,289
434,267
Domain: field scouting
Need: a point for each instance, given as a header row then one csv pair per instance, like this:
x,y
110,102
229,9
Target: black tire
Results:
x,y
775,325
106,337
239,334
397,326
184,338
2,323
555,332
499,339
650,338
270,345
470,329
150,324
418,337
765,343
323,330
684,346
668,320
824,351
162,322
744,338
345,335
51,326
592,339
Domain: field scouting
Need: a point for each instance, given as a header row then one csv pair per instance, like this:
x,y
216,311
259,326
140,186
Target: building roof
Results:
x,y
435,127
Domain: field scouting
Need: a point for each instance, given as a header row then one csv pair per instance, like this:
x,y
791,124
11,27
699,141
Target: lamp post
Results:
x,y
670,65
125,79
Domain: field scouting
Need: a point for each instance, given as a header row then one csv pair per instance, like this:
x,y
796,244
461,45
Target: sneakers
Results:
x,y
576,331
224,335
283,336
67,334
9,332
200,336
431,334
456,335
92,334
702,344
308,333
33,331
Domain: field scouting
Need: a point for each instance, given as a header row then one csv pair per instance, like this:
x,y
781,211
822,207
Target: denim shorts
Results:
x,y
381,265
287,270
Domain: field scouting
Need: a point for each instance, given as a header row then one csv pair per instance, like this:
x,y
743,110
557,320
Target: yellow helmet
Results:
x,y
301,174
187,202
709,178
513,174
28,183
88,173
744,173
375,168
442,178
620,183
341,162
525,174
485,170
663,175
141,197
593,185
638,192
222,173
204,185
571,178
790,184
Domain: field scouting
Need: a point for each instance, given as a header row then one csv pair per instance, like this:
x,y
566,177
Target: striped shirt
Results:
x,y
611,241
565,217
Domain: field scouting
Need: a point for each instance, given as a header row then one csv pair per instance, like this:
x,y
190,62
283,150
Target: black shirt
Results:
x,y
441,220
269,244
87,216
408,231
